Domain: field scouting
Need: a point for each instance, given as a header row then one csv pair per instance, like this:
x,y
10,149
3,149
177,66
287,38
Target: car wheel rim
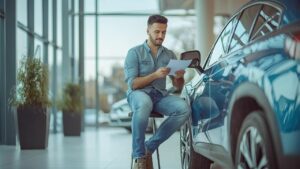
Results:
x,y
252,153
185,146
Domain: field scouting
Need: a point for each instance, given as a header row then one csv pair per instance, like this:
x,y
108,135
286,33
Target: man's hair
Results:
x,y
157,19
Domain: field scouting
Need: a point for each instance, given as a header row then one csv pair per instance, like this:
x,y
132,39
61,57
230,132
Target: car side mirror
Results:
x,y
195,56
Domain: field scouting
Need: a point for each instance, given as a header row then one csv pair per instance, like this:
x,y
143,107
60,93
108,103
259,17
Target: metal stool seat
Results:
x,y
153,115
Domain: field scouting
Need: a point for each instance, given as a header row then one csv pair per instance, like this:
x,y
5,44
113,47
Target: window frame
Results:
x,y
234,17
275,5
252,35
238,15
251,27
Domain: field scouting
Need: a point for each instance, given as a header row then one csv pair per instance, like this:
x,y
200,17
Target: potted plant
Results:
x,y
72,109
31,100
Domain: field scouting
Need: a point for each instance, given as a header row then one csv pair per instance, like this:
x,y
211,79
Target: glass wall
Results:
x,y
59,22
50,21
117,33
59,72
76,46
50,66
38,17
22,11
89,6
55,61
89,48
22,45
113,40
39,43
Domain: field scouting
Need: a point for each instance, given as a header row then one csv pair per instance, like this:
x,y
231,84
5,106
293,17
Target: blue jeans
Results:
x,y
142,104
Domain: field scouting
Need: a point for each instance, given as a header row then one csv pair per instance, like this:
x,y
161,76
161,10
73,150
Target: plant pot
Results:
x,y
33,126
71,124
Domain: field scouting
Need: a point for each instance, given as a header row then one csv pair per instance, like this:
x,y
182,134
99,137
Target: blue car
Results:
x,y
245,99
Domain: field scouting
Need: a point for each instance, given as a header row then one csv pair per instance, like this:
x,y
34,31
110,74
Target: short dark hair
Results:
x,y
157,19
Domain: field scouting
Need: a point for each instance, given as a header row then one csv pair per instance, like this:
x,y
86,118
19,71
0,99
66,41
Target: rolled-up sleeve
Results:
x,y
131,67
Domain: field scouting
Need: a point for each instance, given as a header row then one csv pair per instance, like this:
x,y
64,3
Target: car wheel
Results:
x,y
189,158
254,147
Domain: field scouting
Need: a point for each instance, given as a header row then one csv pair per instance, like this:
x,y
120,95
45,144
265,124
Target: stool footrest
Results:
x,y
152,114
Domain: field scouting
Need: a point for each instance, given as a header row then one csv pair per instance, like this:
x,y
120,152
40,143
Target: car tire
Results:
x,y
189,158
254,135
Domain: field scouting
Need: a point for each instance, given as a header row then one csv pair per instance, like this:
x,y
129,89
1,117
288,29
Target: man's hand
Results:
x,y
179,74
140,82
178,80
162,72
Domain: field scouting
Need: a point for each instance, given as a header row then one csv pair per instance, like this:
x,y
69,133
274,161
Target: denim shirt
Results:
x,y
139,62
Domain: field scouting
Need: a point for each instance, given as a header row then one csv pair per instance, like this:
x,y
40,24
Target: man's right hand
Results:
x,y
141,82
162,72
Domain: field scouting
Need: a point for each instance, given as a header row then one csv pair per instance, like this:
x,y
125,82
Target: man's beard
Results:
x,y
155,43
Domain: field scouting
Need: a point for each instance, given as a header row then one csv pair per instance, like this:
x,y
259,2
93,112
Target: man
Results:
x,y
145,74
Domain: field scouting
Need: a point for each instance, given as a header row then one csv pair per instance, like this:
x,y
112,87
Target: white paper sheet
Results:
x,y
176,65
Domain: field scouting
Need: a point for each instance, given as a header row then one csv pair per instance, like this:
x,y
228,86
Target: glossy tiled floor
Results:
x,y
106,148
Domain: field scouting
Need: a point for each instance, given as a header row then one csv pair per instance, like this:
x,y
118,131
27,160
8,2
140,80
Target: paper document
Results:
x,y
176,65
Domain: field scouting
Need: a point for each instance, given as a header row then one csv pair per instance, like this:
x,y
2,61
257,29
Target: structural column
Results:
x,y
81,53
9,134
97,64
30,20
204,29
54,66
45,31
66,60
2,74
72,42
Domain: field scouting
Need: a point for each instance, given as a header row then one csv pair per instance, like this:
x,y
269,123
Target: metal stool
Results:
x,y
153,115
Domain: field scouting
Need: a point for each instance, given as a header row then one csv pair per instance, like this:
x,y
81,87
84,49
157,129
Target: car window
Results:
x,y
221,44
242,32
267,21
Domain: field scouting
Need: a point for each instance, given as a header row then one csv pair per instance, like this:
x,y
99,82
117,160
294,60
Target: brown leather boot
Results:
x,y
149,160
140,163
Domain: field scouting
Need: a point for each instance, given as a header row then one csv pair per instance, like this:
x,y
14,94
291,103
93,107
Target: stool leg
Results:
x,y
131,165
157,152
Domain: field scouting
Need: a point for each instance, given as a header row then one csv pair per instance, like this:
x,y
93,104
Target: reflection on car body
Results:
x,y
245,100
119,116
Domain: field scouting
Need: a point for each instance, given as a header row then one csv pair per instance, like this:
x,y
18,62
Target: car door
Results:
x,y
220,80
205,107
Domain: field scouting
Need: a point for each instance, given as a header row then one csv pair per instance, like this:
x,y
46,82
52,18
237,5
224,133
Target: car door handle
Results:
x,y
209,79
206,79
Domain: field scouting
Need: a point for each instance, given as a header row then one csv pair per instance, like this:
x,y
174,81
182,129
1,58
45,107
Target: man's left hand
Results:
x,y
179,74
